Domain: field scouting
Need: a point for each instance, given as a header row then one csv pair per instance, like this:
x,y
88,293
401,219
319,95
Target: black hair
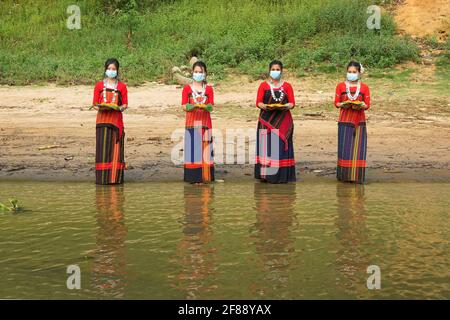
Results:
x,y
354,64
200,64
113,61
276,62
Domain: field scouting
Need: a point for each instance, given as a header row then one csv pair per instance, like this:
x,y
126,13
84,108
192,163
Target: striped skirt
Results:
x,y
109,155
352,148
274,163
198,155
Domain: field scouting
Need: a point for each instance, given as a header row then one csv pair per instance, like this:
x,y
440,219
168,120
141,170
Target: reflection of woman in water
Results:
x,y
109,262
351,259
195,256
273,239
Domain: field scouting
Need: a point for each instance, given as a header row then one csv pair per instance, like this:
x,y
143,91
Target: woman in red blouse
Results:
x,y
275,161
197,101
110,99
352,98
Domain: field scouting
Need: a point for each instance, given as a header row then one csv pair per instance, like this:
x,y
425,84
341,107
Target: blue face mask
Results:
x,y
274,74
352,76
199,77
111,73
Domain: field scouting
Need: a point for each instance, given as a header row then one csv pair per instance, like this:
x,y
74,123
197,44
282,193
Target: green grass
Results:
x,y
443,63
231,36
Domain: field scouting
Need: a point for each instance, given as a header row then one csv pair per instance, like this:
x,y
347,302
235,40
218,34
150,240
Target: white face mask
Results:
x,y
199,77
352,76
275,74
111,73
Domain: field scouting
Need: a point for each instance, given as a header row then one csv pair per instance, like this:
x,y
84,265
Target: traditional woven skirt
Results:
x,y
198,156
274,164
109,155
352,148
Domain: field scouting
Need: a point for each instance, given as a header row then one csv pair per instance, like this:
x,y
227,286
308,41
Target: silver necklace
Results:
x,y
349,95
272,92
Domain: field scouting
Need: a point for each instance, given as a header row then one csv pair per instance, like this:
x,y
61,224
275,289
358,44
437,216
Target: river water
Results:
x,y
232,240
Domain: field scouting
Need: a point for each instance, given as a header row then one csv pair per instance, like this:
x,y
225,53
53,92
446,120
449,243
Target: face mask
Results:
x,y
352,76
111,73
275,74
198,77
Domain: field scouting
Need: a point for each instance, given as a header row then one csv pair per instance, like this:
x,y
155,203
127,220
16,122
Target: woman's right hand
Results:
x,y
262,106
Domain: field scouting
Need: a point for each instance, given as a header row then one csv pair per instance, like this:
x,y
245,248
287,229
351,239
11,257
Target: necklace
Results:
x,y
113,100
349,95
272,92
196,94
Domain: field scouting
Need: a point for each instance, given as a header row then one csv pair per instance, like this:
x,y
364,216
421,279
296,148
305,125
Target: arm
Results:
x,y
260,97
96,95
337,97
210,95
290,96
185,97
124,93
367,98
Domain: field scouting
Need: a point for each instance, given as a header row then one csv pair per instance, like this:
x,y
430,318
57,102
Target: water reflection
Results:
x,y
352,235
196,258
109,264
273,237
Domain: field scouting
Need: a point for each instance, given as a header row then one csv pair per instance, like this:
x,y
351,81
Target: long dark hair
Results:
x,y
113,61
355,64
276,62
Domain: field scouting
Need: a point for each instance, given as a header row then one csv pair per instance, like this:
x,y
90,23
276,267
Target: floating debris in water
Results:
x,y
13,206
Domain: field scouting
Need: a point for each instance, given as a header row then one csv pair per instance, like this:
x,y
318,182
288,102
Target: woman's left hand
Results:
x,y
288,106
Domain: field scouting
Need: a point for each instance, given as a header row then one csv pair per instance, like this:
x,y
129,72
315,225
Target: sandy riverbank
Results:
x,y
47,133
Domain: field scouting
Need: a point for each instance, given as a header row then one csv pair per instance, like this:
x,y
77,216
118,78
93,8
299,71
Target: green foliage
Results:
x,y
12,207
151,36
372,50
443,62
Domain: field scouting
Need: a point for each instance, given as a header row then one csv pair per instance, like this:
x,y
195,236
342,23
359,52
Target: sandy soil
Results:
x,y
424,17
47,133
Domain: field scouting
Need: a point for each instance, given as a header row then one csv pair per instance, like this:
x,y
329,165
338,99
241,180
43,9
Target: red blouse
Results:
x,y
197,115
113,117
349,115
264,92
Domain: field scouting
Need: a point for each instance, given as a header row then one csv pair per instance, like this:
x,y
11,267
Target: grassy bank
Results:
x,y
233,37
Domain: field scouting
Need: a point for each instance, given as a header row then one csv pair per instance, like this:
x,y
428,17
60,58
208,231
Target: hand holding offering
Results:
x,y
106,106
354,104
275,106
207,107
